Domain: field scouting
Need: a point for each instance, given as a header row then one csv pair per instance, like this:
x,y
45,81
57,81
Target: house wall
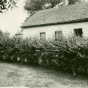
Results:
x,y
67,30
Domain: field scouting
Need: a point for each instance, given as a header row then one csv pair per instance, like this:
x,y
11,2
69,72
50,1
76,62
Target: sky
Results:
x,y
13,19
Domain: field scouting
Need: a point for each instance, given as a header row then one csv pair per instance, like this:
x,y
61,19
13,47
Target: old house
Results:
x,y
67,20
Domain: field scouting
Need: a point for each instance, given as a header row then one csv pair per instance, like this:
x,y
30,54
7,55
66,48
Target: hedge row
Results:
x,y
70,55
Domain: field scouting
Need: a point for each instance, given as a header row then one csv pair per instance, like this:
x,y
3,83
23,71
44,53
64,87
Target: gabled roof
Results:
x,y
64,14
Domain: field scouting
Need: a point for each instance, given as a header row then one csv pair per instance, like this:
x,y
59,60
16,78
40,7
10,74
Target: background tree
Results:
x,y
5,4
35,5
74,1
1,33
53,2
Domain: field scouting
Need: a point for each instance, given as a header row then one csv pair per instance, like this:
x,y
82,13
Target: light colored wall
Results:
x,y
67,30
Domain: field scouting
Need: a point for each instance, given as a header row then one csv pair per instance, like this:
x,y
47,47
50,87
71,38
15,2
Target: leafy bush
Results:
x,y
69,55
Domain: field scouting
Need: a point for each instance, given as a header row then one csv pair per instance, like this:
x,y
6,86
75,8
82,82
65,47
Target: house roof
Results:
x,y
63,14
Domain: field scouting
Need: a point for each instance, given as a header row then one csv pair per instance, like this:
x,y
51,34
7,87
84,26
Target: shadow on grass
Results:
x,y
51,71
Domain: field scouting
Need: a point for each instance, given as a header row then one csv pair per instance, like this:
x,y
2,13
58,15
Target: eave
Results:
x,y
57,23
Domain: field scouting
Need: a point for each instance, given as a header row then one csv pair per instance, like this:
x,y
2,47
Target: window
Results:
x,y
58,35
78,32
43,36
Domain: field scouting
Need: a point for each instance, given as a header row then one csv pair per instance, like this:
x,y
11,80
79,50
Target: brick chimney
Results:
x,y
65,2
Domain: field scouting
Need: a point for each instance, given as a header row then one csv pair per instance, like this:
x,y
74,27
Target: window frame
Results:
x,y
44,36
58,34
78,32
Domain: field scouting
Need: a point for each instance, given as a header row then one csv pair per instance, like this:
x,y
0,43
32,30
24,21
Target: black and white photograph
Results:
x,y
43,43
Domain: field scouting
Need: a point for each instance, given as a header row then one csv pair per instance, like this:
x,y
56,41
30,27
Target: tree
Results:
x,y
5,4
35,5
1,33
74,1
53,2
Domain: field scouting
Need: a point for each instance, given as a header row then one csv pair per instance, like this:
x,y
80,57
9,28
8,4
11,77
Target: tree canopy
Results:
x,y
5,4
35,5
74,1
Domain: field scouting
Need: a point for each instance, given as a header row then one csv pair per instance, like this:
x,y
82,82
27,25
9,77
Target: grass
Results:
x,y
14,75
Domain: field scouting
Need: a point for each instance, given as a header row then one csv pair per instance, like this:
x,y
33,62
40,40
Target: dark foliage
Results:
x,y
35,5
5,4
69,55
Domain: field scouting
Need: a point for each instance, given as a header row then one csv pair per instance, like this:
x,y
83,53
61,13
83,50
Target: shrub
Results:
x,y
69,55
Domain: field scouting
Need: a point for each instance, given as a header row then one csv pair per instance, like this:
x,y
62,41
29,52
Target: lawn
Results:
x,y
13,75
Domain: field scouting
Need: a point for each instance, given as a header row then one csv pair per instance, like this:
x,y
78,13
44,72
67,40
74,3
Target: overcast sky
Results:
x,y
12,19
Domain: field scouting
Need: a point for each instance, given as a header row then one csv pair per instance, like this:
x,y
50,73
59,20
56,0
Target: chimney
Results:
x,y
65,2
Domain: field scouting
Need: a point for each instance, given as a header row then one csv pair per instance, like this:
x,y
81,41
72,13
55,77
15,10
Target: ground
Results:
x,y
13,75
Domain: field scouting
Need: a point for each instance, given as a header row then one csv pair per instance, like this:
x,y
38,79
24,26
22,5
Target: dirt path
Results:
x,y
12,75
